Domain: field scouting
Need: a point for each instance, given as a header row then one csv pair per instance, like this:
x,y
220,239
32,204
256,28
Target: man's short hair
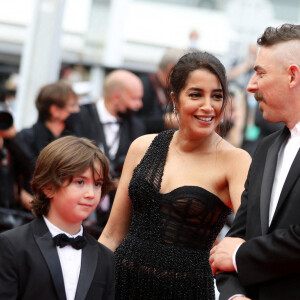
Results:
x,y
56,93
276,35
170,57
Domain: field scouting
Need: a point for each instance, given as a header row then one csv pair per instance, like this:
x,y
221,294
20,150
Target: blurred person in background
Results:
x,y
112,124
194,38
154,112
7,193
13,162
241,71
232,127
55,103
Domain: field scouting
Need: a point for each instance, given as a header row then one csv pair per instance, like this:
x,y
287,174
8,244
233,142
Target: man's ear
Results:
x,y
54,111
294,75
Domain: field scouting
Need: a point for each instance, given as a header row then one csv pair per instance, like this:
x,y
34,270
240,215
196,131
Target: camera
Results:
x,y
6,119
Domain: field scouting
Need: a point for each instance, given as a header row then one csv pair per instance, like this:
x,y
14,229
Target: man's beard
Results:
x,y
127,114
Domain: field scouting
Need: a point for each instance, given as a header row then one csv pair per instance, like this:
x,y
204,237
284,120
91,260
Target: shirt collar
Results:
x,y
295,132
104,114
55,230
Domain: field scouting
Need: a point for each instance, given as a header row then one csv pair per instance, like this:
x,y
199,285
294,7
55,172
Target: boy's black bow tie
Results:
x,y
62,240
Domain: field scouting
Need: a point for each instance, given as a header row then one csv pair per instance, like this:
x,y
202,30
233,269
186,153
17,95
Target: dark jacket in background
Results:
x,y
154,104
33,141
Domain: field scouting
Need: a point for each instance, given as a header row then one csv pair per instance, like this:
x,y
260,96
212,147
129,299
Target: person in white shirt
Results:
x,y
260,257
111,121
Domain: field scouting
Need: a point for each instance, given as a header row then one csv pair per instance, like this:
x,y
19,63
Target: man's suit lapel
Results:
x,y
99,133
44,240
292,176
124,139
268,178
89,261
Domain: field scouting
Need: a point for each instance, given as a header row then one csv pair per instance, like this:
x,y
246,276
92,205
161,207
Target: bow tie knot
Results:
x,y
62,240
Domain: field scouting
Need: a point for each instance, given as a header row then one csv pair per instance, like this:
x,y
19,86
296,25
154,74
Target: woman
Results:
x,y
182,185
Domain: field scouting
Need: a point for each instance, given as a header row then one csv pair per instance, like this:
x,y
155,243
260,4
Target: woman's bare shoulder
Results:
x,y
235,154
140,145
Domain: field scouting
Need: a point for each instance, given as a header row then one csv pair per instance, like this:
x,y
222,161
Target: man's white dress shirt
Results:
x,y
111,128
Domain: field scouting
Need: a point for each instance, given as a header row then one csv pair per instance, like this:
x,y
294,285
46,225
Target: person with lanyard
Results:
x,y
259,258
53,257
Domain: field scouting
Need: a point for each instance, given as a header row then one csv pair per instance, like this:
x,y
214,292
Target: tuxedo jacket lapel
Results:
x,y
268,179
88,267
44,240
291,178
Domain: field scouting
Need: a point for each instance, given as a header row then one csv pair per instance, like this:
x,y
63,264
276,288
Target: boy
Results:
x,y
70,177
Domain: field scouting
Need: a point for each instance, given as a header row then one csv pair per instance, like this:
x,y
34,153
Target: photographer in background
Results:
x,y
111,123
14,161
55,102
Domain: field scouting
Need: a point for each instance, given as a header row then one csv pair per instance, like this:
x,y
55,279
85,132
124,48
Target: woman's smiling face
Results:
x,y
200,102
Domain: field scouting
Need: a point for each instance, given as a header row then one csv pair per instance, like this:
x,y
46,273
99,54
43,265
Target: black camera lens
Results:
x,y
6,119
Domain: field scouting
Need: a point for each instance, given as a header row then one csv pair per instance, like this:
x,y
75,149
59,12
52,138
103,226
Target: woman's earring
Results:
x,y
174,109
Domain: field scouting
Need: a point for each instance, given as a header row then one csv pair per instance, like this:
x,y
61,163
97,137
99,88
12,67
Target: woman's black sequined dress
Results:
x,y
165,255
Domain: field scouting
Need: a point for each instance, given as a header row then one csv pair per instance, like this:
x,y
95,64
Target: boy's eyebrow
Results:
x,y
85,177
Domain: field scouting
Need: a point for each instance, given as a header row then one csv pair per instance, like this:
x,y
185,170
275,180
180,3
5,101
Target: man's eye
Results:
x,y
80,181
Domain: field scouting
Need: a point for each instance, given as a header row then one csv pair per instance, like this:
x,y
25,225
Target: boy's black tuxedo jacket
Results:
x,y
269,262
30,267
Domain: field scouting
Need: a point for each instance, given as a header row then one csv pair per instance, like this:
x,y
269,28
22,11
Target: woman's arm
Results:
x,y
237,173
119,221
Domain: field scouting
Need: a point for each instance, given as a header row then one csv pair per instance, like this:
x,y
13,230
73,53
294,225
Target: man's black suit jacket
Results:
x,y
30,266
269,262
88,124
